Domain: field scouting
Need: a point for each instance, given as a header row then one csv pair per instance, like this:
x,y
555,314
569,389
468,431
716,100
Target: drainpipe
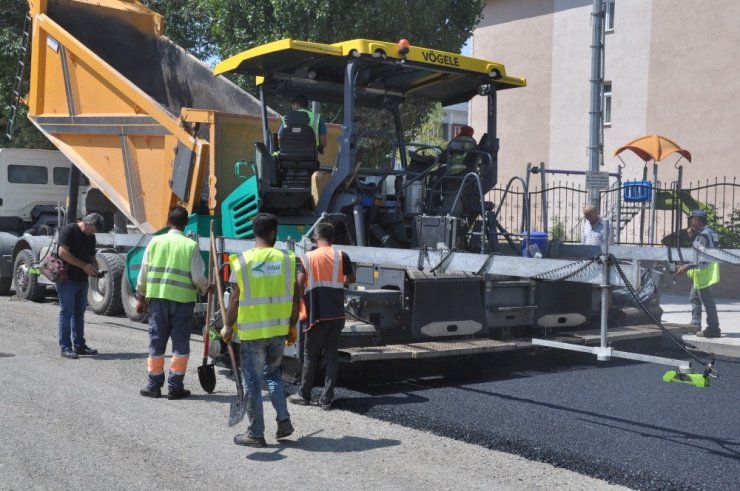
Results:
x,y
595,111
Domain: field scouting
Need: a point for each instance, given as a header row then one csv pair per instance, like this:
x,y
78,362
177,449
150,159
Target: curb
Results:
x,y
724,346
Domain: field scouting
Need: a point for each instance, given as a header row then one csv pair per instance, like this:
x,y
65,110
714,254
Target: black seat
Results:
x,y
298,156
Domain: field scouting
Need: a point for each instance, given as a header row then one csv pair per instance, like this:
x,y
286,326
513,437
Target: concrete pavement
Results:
x,y
677,309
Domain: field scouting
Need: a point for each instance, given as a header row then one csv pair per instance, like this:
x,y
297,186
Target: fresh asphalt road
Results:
x,y
615,420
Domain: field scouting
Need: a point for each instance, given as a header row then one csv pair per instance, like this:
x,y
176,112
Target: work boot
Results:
x,y
68,353
284,429
326,405
709,334
86,350
175,394
154,393
299,400
248,440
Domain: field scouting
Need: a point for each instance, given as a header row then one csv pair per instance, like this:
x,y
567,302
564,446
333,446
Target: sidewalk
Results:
x,y
677,310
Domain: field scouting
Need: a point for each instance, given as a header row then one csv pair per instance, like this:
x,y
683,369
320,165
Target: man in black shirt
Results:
x,y
77,250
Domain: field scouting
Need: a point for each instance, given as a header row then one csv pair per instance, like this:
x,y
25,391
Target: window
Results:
x,y
27,174
607,103
61,177
609,15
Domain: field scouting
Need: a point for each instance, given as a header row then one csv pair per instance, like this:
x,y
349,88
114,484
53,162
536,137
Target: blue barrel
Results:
x,y
536,238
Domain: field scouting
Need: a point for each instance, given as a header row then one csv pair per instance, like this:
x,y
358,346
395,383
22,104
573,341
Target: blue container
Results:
x,y
538,239
638,191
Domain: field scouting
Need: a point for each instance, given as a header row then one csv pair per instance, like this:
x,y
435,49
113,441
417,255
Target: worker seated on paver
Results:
x,y
454,163
456,153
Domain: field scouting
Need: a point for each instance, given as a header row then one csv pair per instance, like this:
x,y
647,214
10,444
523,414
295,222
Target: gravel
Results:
x,y
81,423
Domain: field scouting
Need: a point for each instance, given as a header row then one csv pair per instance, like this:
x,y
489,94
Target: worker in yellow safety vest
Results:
x,y
326,271
171,276
263,306
704,275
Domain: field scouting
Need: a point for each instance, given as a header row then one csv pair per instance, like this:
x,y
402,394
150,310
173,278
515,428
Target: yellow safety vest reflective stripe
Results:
x,y
168,268
266,279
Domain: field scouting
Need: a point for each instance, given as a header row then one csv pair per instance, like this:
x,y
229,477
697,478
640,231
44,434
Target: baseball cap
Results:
x,y
698,214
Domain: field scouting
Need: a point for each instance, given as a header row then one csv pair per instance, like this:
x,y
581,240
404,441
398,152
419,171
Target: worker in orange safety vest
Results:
x,y
326,271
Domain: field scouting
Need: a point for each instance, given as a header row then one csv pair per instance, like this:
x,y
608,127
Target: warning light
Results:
x,y
403,47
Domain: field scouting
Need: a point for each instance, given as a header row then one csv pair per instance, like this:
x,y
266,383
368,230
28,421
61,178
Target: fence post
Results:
x,y
543,184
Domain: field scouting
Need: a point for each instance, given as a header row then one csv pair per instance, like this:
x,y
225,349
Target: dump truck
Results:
x,y
151,127
33,183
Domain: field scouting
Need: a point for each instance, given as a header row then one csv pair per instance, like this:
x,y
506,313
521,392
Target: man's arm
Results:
x,y
66,255
141,279
231,313
322,135
349,271
197,273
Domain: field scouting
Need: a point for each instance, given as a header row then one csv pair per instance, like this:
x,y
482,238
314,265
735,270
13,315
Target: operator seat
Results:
x,y
297,157
444,185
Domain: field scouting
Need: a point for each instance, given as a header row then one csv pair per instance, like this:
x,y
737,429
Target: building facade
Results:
x,y
668,70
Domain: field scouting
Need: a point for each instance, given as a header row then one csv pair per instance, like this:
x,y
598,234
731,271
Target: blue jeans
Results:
x,y
72,305
704,297
260,359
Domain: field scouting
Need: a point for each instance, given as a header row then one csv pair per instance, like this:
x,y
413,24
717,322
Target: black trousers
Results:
x,y
322,337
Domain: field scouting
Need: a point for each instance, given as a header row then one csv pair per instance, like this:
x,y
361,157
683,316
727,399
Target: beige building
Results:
x,y
668,64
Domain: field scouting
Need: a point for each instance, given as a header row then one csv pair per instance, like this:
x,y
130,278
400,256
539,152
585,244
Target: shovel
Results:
x,y
207,372
237,407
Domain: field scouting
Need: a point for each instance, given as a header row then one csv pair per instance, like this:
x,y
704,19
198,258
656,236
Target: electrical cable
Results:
x,y
685,346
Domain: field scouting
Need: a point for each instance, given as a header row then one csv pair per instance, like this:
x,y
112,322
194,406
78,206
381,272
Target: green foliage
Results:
x,y
729,232
12,13
443,24
429,131
440,24
212,29
188,24
557,231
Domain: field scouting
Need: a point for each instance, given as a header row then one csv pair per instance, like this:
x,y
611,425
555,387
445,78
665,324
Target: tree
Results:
x,y
440,24
220,28
12,13
188,24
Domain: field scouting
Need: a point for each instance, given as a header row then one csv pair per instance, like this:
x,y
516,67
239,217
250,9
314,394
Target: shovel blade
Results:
x,y
207,377
236,411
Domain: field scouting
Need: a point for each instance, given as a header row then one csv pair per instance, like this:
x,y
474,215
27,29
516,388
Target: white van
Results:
x,y
32,183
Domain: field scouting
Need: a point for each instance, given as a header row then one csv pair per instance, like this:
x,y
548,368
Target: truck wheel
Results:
x,y
27,285
128,300
5,285
104,294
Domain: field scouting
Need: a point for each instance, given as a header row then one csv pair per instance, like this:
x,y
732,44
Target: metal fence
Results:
x,y
648,222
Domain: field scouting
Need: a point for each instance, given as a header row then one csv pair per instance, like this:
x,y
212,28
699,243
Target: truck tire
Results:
x,y
104,294
27,285
129,301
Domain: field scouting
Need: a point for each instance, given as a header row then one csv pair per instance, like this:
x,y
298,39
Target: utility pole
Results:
x,y
596,111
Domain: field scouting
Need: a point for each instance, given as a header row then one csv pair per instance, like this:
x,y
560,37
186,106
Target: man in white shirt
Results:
x,y
592,232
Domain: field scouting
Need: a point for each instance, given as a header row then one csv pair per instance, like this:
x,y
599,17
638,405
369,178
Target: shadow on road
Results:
x,y
313,443
119,356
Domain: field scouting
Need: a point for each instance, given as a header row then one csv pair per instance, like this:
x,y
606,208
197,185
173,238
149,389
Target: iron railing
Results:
x,y
638,223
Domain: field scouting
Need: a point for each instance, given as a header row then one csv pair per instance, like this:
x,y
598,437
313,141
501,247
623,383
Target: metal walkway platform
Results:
x,y
439,349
